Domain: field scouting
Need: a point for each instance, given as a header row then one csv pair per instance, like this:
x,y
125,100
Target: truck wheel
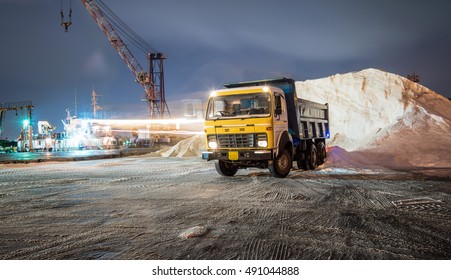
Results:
x,y
281,165
226,168
311,157
321,149
301,162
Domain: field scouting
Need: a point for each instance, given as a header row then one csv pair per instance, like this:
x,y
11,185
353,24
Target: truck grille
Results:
x,y
236,140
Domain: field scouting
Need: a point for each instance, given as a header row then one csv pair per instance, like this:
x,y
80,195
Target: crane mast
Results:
x,y
153,80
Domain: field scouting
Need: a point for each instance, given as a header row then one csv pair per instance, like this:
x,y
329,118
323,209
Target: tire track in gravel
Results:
x,y
423,204
251,250
280,251
57,248
347,196
284,194
10,172
252,192
360,195
136,208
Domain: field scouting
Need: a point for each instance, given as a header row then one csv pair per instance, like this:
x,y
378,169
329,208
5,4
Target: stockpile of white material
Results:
x,y
390,120
190,147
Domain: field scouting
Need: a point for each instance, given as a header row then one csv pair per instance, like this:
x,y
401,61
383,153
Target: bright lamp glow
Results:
x,y
213,145
262,143
26,122
266,89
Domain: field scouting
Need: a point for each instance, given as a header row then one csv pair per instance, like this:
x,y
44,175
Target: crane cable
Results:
x,y
125,30
117,23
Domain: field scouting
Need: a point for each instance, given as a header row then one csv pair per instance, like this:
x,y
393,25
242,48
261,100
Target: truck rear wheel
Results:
x,y
281,165
226,168
311,157
321,149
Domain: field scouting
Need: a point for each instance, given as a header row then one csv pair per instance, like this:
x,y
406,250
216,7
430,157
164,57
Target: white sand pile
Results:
x,y
388,119
190,147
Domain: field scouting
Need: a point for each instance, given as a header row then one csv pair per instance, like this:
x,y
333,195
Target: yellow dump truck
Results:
x,y
264,124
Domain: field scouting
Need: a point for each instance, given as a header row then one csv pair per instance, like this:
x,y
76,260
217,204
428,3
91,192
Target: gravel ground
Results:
x,y
180,208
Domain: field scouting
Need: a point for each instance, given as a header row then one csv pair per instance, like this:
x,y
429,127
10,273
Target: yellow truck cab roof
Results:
x,y
244,90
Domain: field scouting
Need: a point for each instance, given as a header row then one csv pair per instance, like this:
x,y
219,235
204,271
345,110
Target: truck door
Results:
x,y
280,117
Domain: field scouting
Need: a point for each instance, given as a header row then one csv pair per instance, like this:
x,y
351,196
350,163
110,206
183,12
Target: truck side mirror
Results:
x,y
278,111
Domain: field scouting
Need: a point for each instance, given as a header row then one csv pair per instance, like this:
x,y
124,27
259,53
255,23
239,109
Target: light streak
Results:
x,y
184,132
113,122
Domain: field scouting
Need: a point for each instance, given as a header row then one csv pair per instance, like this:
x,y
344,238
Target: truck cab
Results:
x,y
254,124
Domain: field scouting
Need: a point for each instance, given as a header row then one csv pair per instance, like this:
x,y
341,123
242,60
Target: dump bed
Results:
x,y
313,119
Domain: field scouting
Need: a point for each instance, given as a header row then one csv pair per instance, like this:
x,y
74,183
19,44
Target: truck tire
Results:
x,y
226,168
281,165
311,157
321,150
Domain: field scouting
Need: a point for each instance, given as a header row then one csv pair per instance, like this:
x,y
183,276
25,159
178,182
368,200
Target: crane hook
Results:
x,y
66,24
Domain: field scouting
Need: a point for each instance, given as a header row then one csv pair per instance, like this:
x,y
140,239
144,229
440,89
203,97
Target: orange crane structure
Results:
x,y
152,80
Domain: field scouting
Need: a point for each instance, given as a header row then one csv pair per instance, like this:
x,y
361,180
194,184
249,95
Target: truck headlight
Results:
x,y
262,144
262,140
212,143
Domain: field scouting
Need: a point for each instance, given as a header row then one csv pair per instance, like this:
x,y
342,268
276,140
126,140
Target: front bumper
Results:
x,y
254,155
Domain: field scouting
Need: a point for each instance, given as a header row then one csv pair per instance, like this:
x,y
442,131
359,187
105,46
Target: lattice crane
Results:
x,y
153,80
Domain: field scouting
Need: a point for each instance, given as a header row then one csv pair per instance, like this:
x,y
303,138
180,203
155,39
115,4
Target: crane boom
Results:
x,y
153,80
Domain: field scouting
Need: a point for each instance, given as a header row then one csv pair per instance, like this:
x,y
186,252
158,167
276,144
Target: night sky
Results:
x,y
209,43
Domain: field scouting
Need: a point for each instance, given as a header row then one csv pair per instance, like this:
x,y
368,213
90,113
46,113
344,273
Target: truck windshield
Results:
x,y
239,106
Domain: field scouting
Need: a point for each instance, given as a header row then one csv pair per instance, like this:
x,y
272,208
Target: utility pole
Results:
x,y
30,131
95,106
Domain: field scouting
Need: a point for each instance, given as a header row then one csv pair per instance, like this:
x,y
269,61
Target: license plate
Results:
x,y
233,155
